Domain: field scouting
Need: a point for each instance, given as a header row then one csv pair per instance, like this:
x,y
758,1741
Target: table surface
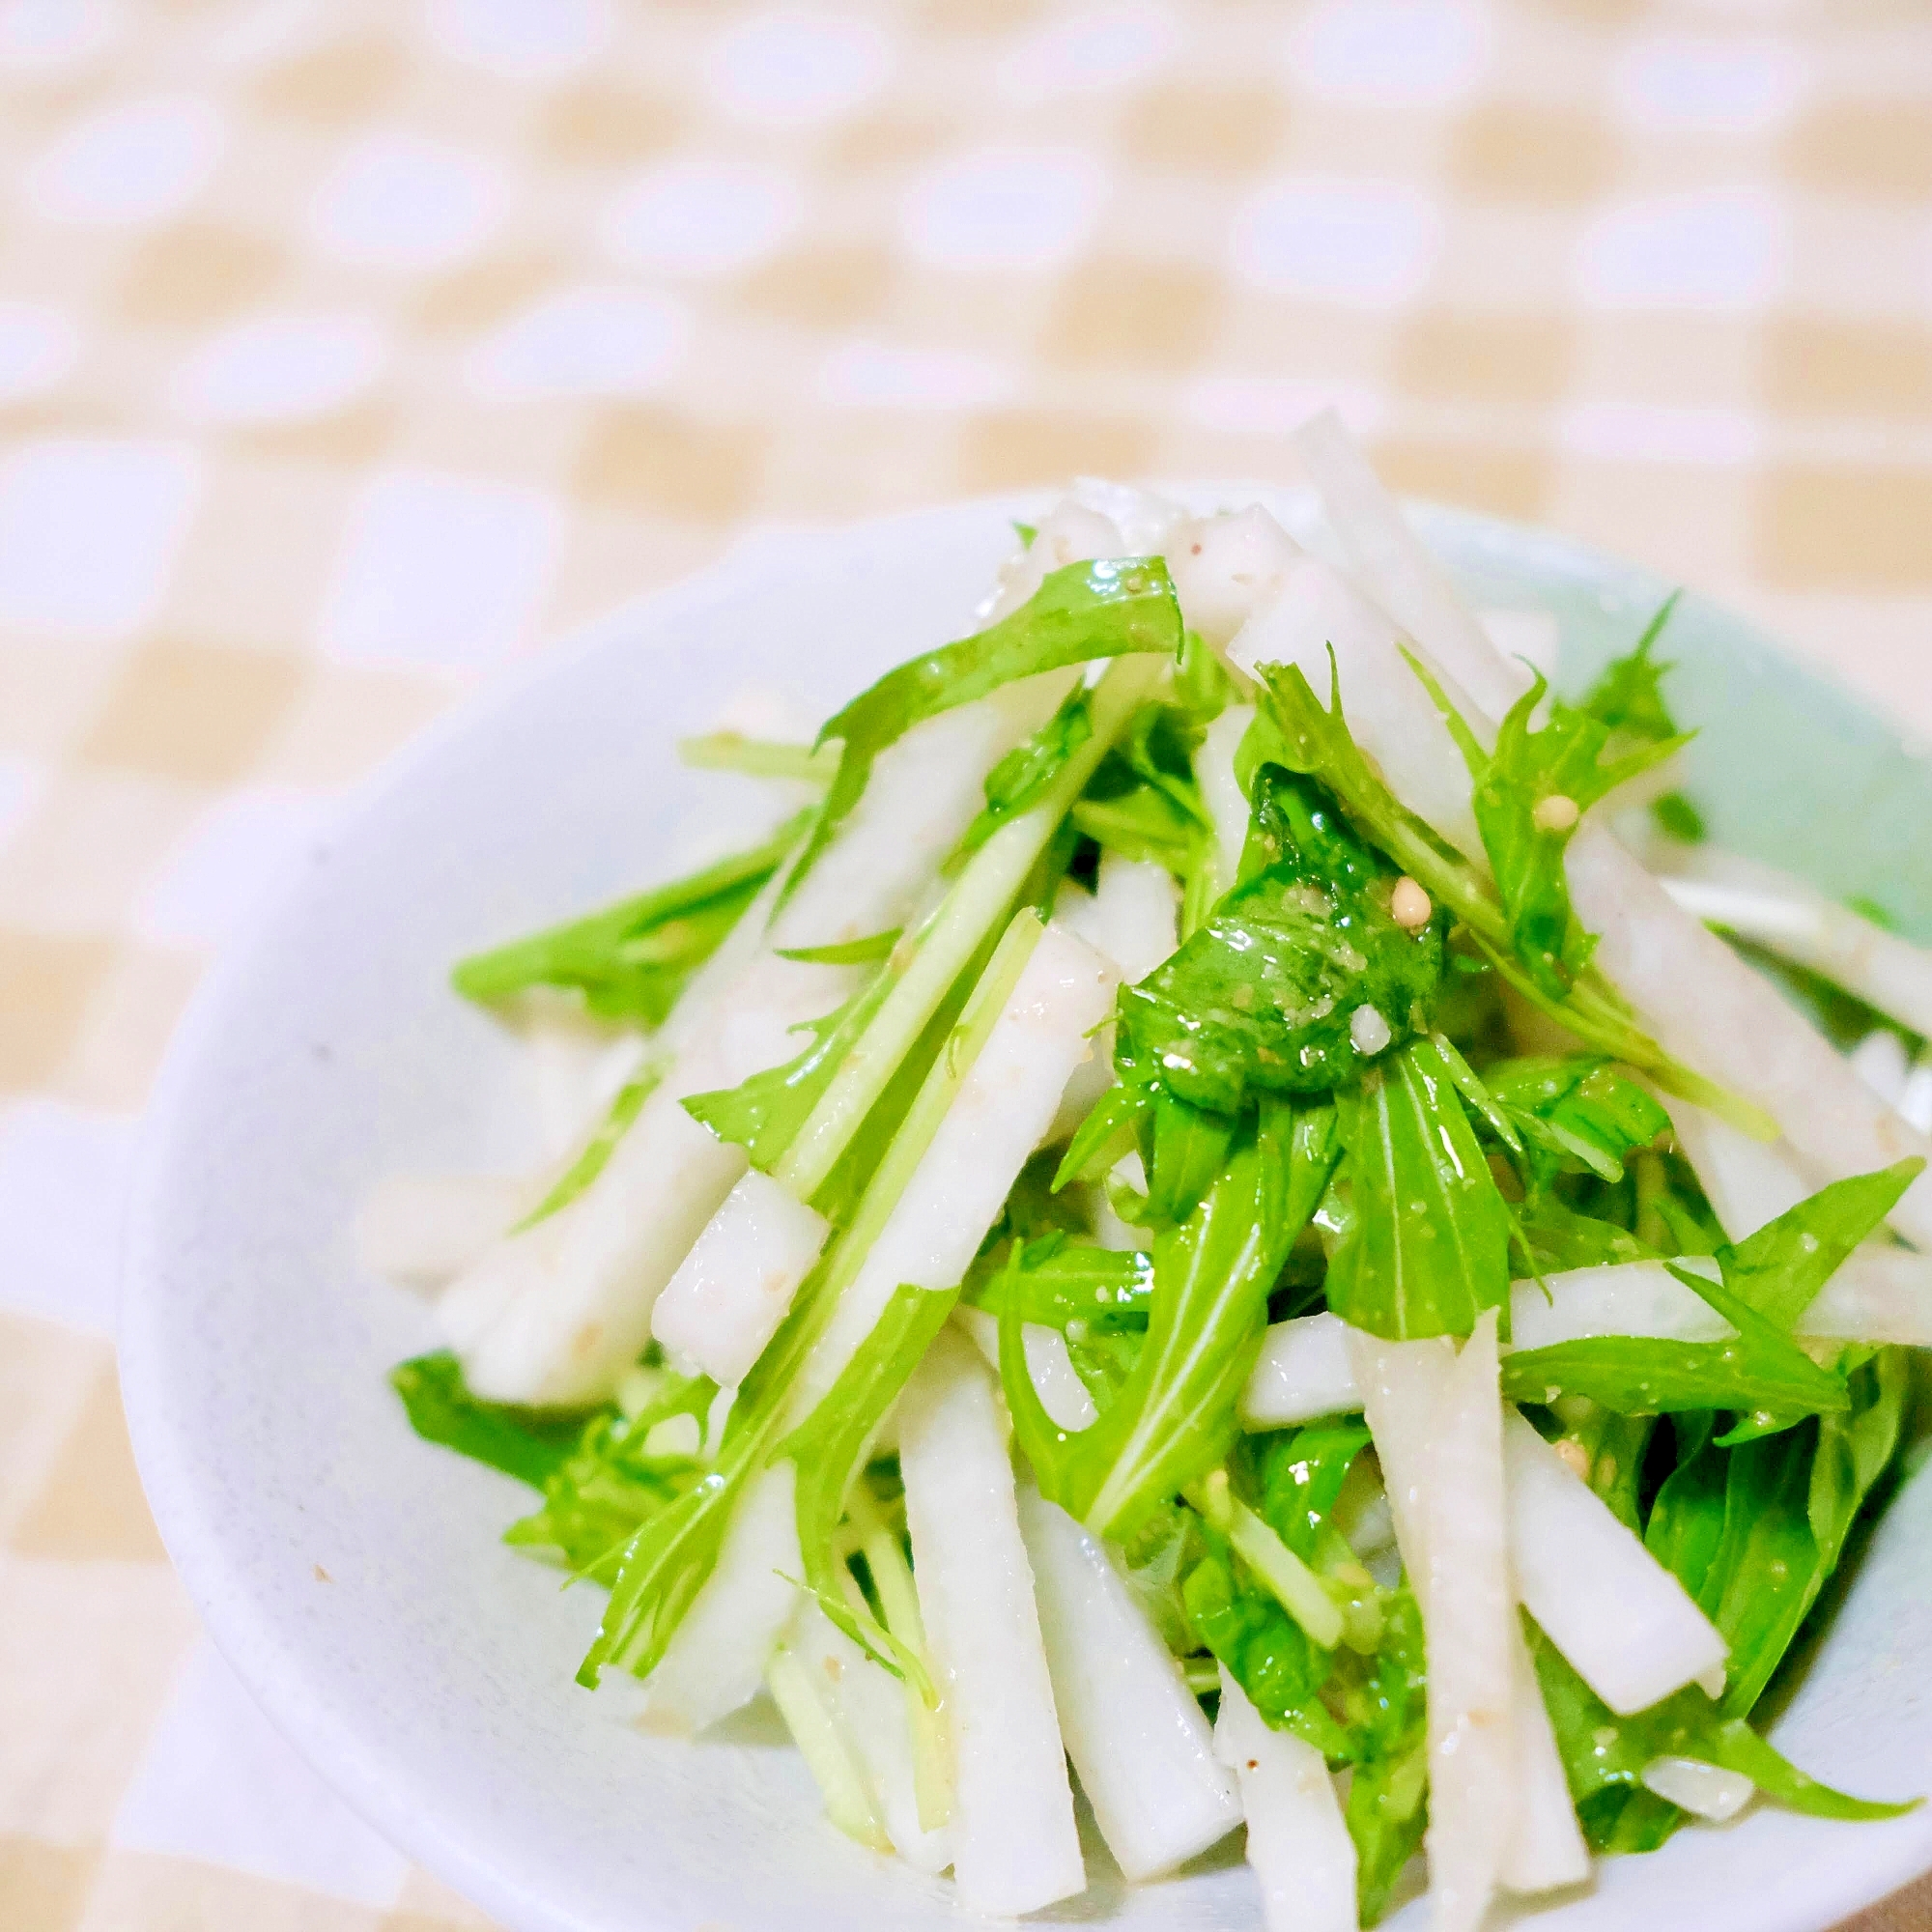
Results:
x,y
350,352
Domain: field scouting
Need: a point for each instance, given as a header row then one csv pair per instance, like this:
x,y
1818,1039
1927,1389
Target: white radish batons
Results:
x,y
1299,1842
1145,519
1071,533
1399,1384
1711,1010
1704,1790
558,1321
736,1286
1469,1635
995,1122
1749,1182
1303,1371
1398,567
716,1661
1016,1847
1056,1381
870,1708
1546,1849
1134,1731
1624,1623
1225,567
1693,994
1391,715
1221,790
1129,916
1794,919
420,1230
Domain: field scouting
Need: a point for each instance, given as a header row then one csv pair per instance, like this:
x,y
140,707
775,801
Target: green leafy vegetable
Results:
x,y
1678,818
1425,1245
1387,1809
1173,1419
522,1442
865,951
828,1448
1085,611
1628,696
1604,1755
1646,1375
1023,776
1577,1113
1261,998
633,960
1529,794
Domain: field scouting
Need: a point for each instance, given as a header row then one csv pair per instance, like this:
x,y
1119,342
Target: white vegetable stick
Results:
x,y
1129,916
1401,1383
421,1229
1469,1630
1709,1009
1879,1061
1697,999
1299,1841
1070,533
1221,792
1521,636
577,1066
1704,1790
1398,566
1133,1729
1546,1849
1224,567
1749,1182
1303,1371
1143,518
716,1660
1914,1104
558,1321
1626,1624
1016,1847
1391,715
736,1286
870,1708
994,1122
1794,919
1061,1393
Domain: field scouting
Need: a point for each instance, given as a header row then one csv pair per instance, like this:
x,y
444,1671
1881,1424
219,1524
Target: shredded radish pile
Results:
x,y
1205,1220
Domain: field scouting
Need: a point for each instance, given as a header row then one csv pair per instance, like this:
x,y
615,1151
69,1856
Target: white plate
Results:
x,y
354,1576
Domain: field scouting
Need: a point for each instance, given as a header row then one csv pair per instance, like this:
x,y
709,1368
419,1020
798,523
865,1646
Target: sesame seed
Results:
x,y
1555,813
1408,904
1369,1031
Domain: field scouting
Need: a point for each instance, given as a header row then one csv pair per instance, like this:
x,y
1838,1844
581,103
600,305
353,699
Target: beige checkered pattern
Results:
x,y
349,351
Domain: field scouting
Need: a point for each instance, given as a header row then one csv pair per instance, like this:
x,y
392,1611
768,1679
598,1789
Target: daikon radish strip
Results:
x,y
1531,636
576,1065
1131,916
558,1320
870,1711
1624,1623
1061,1393
1704,1790
1879,1061
1692,994
1391,715
717,1658
1706,1007
1795,919
1221,792
977,1149
1299,1842
1880,1294
1303,1371
1400,1385
1469,1628
1225,567
801,1695
1133,1729
420,1230
1143,518
736,1286
1398,566
1546,1848
977,902
1749,1182
1015,1845
1069,533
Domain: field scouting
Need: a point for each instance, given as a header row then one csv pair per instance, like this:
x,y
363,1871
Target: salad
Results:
x,y
1234,1196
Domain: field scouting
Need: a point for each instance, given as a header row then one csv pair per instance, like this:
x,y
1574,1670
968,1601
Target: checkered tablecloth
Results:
x,y
349,351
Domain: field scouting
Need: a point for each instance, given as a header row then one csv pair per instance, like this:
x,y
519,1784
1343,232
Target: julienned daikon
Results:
x,y
1174,1016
